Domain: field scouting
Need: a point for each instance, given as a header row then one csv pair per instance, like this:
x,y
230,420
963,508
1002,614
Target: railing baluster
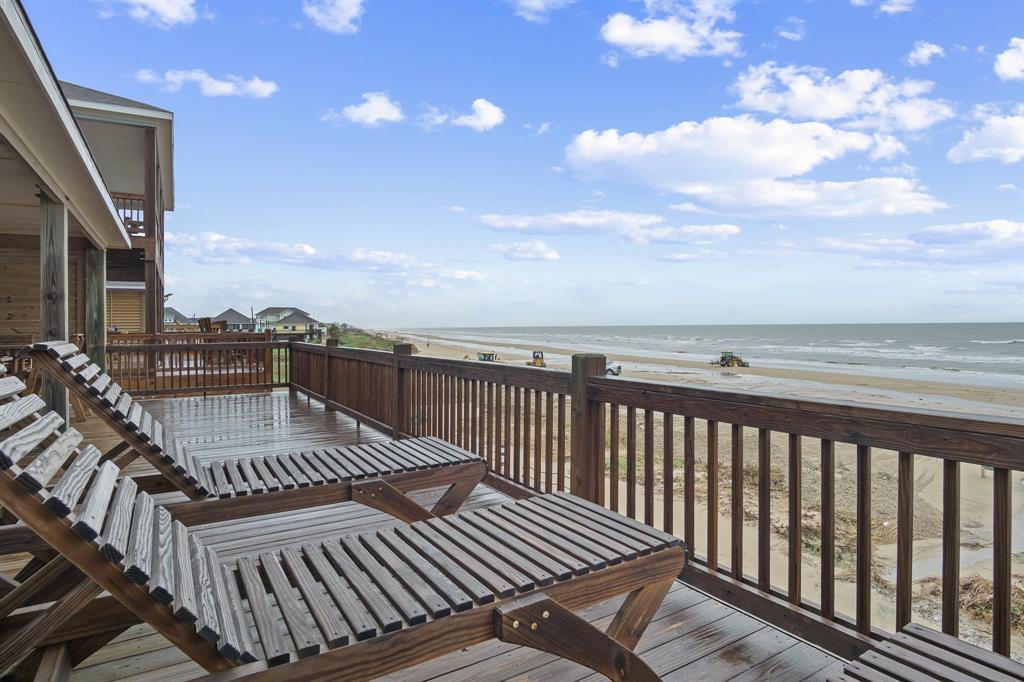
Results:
x,y
689,469
613,464
863,589
549,417
712,467
795,517
649,467
828,529
1002,524
561,442
951,547
904,538
736,517
631,462
537,432
764,509
517,439
669,470
527,398
506,433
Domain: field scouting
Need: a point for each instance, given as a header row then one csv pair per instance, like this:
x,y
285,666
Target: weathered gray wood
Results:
x,y
100,385
53,290
10,387
185,607
13,412
38,474
123,405
96,304
295,618
90,517
266,624
207,622
326,616
134,417
229,643
111,396
119,518
15,447
161,581
138,561
72,484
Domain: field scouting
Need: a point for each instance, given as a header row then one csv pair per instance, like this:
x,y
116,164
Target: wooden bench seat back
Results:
x,y
133,422
55,478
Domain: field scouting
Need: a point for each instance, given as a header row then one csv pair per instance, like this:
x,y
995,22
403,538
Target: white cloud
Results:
x,y
611,60
162,13
486,115
638,228
228,86
213,248
793,28
538,129
538,11
1008,187
689,234
923,53
457,209
579,221
376,108
896,6
535,249
689,30
861,98
971,243
997,137
695,256
1009,65
334,16
742,164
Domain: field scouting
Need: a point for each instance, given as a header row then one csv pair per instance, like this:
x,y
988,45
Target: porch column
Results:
x,y
53,290
96,305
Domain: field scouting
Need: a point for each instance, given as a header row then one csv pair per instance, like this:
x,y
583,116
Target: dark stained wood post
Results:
x,y
399,419
53,290
328,344
587,428
96,305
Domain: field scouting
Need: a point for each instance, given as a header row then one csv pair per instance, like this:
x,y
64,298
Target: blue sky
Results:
x,y
543,162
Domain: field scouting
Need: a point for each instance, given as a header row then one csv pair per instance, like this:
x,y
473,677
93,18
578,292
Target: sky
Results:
x,y
543,162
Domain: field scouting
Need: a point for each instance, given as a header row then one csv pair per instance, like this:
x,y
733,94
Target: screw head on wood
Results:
x,y
373,496
515,625
545,615
533,626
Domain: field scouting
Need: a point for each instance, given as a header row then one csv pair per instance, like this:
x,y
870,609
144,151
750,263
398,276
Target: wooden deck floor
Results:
x,y
693,636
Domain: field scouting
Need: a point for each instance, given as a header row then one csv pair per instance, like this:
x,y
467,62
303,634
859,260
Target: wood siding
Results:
x,y
19,287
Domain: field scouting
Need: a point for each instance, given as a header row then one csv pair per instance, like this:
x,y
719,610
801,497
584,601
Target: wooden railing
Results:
x,y
174,337
700,463
153,369
132,209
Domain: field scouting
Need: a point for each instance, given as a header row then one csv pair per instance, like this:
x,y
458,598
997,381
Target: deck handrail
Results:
x,y
551,429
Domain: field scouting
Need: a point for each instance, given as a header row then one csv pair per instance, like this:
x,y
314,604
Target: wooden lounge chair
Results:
x,y
376,474
352,608
919,654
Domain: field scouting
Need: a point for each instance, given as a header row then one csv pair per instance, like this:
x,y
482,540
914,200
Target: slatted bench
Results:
x,y
354,607
919,654
376,474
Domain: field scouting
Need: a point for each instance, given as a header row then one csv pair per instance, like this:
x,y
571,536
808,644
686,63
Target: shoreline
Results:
x,y
992,401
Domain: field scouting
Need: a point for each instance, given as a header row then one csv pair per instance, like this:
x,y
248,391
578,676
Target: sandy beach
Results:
x,y
976,490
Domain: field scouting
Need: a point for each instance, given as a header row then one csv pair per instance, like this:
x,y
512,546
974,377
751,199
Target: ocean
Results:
x,y
983,354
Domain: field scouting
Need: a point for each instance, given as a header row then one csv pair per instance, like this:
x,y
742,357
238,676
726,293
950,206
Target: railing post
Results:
x,y
587,428
330,343
398,417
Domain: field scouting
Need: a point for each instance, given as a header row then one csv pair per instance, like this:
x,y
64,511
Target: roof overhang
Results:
x,y
37,122
162,121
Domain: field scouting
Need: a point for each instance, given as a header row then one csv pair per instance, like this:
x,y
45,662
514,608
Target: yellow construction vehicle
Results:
x,y
538,359
730,359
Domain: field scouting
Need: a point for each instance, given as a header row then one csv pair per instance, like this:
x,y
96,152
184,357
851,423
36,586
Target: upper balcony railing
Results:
x,y
132,209
825,544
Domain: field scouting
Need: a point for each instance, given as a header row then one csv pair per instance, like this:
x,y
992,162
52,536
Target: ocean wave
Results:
x,y
1004,342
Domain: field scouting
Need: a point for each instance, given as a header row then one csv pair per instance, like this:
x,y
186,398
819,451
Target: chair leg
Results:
x,y
636,613
540,622
379,494
453,497
55,664
22,642
50,582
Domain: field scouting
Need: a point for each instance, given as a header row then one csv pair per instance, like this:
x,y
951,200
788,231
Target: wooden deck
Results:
x,y
693,636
